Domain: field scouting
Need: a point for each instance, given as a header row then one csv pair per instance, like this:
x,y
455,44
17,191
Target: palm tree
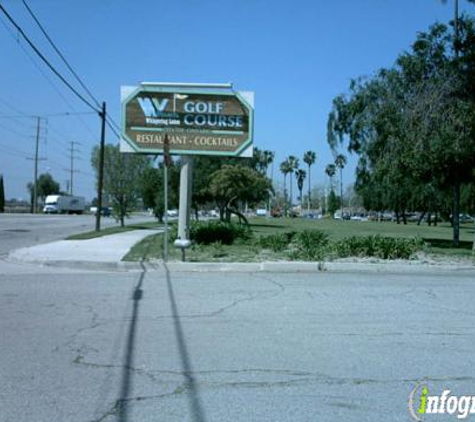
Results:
x,y
330,170
293,165
340,162
285,169
300,176
309,158
267,159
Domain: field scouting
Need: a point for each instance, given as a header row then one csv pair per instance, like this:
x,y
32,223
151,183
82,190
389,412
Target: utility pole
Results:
x,y
72,150
36,159
102,115
35,194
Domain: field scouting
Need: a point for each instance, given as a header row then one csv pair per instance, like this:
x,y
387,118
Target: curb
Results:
x,y
262,267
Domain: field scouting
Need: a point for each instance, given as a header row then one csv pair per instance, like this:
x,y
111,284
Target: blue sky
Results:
x,y
296,57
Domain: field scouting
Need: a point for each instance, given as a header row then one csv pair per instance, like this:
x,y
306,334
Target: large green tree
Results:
x,y
414,125
232,186
123,178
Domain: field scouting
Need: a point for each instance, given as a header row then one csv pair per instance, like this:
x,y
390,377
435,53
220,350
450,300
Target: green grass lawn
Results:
x,y
438,239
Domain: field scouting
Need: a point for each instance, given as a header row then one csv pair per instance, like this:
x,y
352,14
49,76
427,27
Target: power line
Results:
x,y
47,80
59,53
14,151
112,128
14,131
64,114
109,120
45,60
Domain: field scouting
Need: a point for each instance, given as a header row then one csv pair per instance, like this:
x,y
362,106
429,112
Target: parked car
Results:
x,y
262,212
105,211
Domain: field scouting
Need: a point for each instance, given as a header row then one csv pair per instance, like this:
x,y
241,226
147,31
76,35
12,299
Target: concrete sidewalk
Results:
x,y
105,251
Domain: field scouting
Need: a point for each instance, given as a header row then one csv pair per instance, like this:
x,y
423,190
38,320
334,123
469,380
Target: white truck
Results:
x,y
57,204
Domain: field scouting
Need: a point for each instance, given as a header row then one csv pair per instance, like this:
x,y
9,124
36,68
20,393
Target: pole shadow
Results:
x,y
127,368
191,386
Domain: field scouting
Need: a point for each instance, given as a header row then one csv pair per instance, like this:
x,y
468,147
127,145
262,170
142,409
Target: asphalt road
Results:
x,y
155,346
22,230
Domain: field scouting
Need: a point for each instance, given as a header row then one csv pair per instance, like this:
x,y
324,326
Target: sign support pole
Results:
x,y
184,211
165,197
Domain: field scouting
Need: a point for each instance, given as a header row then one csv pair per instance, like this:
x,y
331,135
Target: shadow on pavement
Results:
x,y
194,401
127,370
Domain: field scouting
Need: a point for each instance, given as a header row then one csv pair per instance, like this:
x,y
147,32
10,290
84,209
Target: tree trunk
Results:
x,y
421,217
285,194
309,190
290,200
242,217
404,219
456,216
341,192
398,221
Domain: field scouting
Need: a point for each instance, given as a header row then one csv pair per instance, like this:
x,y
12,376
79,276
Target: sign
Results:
x,y
197,121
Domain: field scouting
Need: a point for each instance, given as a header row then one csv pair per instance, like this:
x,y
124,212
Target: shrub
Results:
x,y
218,232
309,245
275,242
377,246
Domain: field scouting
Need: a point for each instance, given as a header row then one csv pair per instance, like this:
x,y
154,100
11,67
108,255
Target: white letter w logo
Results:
x,y
152,107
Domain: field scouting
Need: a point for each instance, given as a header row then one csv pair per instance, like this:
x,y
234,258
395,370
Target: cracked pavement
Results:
x,y
162,346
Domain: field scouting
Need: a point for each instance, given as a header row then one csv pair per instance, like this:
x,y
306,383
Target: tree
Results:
x,y
340,162
45,186
232,185
309,158
300,176
152,192
293,164
414,125
268,159
285,168
205,166
333,203
330,170
2,195
123,176
152,188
